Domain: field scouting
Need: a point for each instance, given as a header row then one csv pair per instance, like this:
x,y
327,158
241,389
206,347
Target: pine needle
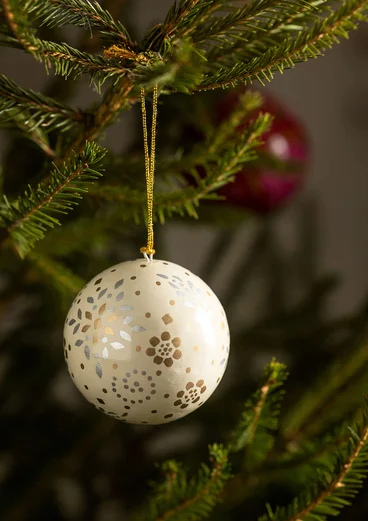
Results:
x,y
334,484
257,428
220,157
28,217
309,43
42,111
182,498
88,14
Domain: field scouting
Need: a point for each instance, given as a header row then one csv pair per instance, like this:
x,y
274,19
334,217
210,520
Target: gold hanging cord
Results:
x,y
149,160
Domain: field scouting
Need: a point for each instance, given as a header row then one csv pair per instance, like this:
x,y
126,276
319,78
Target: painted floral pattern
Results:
x,y
165,349
191,394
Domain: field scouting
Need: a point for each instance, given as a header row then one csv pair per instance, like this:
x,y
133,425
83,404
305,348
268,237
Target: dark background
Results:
x,y
283,280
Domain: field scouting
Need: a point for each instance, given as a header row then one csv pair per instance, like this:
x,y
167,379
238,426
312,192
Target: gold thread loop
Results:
x,y
149,162
147,250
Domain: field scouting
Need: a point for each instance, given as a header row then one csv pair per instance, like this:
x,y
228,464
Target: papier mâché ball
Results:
x,y
146,342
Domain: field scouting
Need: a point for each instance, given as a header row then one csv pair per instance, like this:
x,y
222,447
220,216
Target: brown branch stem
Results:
x,y
93,17
49,152
231,25
256,36
170,28
336,483
14,27
72,114
277,61
182,201
258,410
115,101
48,199
188,502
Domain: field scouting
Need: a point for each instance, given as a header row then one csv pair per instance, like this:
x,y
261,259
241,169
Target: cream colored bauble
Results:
x,y
146,342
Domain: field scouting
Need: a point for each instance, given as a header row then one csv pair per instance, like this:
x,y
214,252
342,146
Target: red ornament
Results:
x,y
277,174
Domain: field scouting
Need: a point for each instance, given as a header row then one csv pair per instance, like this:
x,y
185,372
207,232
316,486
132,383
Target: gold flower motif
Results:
x,y
165,349
191,394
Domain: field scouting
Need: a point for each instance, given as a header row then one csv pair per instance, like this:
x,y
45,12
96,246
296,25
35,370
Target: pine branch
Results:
x,y
180,498
261,34
310,43
12,115
221,157
36,109
114,101
306,456
181,70
87,14
336,485
223,27
266,27
326,393
256,429
28,217
29,130
194,19
303,458
18,28
68,61
183,18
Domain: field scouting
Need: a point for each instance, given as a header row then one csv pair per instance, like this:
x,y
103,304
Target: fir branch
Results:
x,y
256,429
36,109
30,131
28,217
114,101
180,71
222,27
87,14
17,28
263,33
336,485
220,160
310,43
67,283
195,19
305,457
326,393
220,136
181,498
183,18
68,61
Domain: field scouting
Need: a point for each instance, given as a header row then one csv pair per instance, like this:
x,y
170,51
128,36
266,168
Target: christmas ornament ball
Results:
x,y
146,342
278,174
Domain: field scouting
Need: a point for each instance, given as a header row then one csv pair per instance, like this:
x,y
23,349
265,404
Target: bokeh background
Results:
x,y
294,285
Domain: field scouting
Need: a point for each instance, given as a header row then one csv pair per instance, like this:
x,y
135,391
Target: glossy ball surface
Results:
x,y
278,174
146,342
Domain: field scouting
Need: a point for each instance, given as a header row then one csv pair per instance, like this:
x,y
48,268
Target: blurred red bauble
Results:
x,y
278,173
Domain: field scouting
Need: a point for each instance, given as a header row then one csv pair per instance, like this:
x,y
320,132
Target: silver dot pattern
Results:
x,y
146,342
